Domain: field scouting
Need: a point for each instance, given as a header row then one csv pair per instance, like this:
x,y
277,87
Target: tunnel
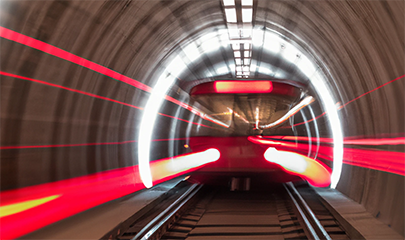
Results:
x,y
97,96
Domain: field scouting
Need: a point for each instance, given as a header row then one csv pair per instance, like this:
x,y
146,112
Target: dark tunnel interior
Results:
x,y
98,97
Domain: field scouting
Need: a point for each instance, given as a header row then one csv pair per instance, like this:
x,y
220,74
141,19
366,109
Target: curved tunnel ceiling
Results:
x,y
92,78
276,52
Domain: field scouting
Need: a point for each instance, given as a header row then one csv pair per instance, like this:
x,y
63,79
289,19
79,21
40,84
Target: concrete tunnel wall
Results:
x,y
360,42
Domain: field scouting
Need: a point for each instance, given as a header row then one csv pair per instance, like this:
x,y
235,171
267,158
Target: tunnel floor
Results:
x,y
220,212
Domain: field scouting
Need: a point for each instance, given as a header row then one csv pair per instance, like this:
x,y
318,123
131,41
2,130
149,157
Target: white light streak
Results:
x,y
187,162
176,66
147,124
305,102
192,52
288,160
319,84
306,66
210,45
222,70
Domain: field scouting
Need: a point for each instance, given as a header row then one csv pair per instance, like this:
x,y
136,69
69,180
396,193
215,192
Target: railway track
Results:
x,y
207,212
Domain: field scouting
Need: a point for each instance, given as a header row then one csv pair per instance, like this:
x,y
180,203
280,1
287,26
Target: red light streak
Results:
x,y
243,87
84,144
375,89
92,95
70,57
69,89
346,141
386,161
354,99
92,190
198,124
308,121
60,53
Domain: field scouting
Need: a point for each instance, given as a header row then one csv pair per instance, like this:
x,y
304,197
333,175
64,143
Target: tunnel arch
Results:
x,y
360,42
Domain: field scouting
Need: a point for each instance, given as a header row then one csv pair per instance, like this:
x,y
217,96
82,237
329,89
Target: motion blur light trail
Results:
x,y
68,89
303,103
22,206
93,95
70,57
346,141
85,144
314,172
60,53
386,161
175,166
31,208
354,99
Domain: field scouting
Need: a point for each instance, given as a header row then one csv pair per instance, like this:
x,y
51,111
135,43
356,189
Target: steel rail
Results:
x,y
313,228
164,216
310,212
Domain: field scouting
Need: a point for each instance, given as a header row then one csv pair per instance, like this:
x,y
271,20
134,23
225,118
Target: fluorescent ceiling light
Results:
x,y
229,2
246,14
236,54
247,2
230,14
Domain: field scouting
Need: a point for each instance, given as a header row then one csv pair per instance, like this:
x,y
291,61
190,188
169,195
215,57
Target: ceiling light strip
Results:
x,y
240,34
